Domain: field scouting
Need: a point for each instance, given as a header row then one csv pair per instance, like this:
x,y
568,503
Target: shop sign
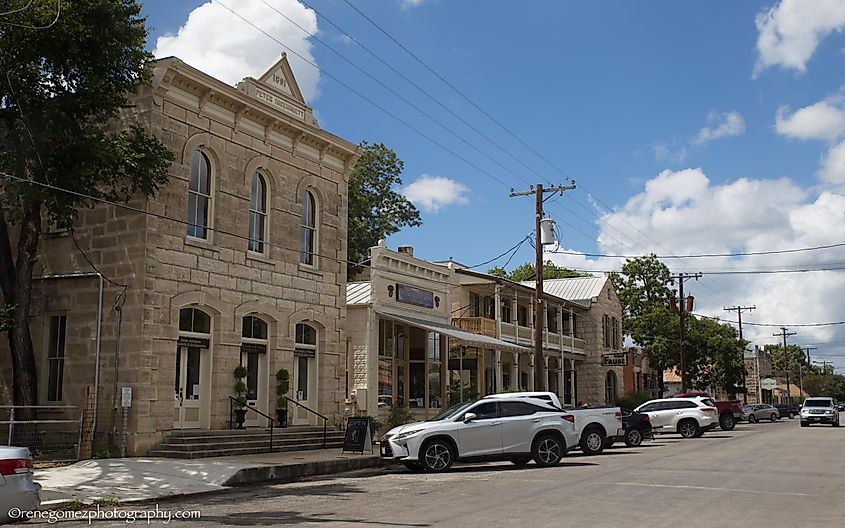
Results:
x,y
768,383
192,342
305,352
259,348
614,360
416,296
358,437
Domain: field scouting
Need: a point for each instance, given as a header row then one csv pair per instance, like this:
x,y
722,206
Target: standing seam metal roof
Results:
x,y
359,293
577,289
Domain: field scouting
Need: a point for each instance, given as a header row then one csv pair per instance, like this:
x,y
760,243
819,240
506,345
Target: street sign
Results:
x,y
126,397
768,383
358,437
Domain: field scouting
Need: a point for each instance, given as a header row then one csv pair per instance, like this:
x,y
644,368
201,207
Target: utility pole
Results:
x,y
739,310
800,372
538,191
807,350
680,277
785,333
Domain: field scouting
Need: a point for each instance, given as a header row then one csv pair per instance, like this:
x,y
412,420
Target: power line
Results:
x,y
805,325
514,248
712,255
27,26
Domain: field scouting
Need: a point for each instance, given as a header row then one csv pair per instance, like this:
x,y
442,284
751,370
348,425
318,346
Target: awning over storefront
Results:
x,y
463,336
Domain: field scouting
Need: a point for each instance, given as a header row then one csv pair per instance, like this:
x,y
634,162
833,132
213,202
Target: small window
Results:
x,y
258,214
254,328
199,196
308,229
514,409
651,407
193,320
306,334
484,411
56,358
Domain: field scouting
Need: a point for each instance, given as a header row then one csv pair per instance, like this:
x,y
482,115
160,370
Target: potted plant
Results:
x,y
282,387
240,395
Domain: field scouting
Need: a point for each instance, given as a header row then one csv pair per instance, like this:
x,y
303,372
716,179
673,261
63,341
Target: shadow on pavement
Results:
x,y
292,518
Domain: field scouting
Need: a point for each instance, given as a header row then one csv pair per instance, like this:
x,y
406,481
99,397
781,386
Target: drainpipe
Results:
x,y
99,327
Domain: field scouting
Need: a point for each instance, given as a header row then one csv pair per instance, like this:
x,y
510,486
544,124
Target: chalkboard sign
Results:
x,y
358,437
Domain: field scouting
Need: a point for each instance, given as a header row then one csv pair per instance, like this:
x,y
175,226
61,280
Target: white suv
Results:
x,y
689,417
515,429
819,410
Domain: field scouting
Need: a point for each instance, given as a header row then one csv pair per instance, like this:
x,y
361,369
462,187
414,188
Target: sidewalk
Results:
x,y
149,478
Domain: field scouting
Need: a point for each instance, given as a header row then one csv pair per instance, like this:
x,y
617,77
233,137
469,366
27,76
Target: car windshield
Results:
x,y
818,403
452,411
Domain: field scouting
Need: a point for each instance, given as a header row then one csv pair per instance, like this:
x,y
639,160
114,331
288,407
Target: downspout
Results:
x,y
99,328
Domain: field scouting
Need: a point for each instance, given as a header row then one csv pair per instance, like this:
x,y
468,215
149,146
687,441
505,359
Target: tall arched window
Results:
x,y
610,387
199,196
258,214
308,229
305,349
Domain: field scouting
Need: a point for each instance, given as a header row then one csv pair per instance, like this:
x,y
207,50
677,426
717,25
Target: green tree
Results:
x,y
791,362
643,287
715,355
376,209
63,92
825,384
527,271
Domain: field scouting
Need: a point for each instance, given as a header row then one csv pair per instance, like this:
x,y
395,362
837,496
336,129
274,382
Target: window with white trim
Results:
x,y
305,349
199,196
258,214
308,230
56,357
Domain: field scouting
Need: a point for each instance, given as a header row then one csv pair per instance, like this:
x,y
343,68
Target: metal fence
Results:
x,y
51,432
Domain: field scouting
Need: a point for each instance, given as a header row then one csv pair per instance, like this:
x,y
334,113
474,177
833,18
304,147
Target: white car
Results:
x,y
689,417
18,492
515,429
819,410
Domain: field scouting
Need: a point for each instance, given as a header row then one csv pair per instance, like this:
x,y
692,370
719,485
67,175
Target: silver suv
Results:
x,y
819,410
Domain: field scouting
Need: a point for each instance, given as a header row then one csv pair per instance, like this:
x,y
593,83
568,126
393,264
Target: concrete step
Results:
x,y
242,450
264,442
211,439
248,431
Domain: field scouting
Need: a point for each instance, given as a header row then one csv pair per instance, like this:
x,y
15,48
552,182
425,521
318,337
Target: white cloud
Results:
x,y
408,4
790,32
720,125
669,152
823,120
833,165
684,212
433,192
224,46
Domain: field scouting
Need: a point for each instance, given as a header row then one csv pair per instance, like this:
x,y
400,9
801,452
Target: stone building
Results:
x,y
425,335
758,367
241,260
639,376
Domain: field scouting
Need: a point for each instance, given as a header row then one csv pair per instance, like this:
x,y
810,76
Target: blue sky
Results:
x,y
688,127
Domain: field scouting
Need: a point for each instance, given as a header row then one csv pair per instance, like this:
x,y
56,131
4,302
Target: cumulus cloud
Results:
x,y
684,212
720,125
431,193
833,165
224,46
790,32
407,4
823,120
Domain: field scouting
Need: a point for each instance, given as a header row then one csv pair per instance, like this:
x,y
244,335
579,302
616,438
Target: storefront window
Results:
x,y
409,366
385,364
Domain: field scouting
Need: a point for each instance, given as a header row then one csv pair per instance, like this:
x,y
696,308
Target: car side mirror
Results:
x,y
468,417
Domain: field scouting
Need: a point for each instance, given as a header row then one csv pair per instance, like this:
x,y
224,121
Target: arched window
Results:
x,y
254,333
258,214
193,320
305,349
199,196
610,387
308,229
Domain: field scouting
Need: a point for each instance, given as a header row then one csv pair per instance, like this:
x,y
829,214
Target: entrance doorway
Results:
x,y
193,370
305,375
254,358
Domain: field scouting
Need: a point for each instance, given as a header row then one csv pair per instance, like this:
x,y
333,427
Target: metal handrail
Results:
x,y
312,411
250,407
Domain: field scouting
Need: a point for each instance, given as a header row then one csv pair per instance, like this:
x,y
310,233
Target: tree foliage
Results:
x,y
793,361
376,209
527,271
62,97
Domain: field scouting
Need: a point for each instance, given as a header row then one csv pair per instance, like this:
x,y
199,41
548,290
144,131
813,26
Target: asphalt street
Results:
x,y
765,474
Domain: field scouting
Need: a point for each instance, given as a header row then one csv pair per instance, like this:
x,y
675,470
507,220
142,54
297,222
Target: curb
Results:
x,y
292,472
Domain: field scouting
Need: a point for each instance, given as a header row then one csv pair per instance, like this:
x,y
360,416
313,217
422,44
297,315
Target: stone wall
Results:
x,y
592,375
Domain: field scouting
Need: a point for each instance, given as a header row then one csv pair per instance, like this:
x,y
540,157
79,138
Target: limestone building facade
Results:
x,y
239,259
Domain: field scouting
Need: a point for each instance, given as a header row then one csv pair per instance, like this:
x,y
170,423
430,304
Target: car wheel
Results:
x,y
752,418
521,461
437,456
688,428
547,451
727,422
803,423
633,437
773,417
414,467
791,415
592,441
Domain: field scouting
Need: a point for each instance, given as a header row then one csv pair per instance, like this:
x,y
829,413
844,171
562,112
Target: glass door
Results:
x,y
187,389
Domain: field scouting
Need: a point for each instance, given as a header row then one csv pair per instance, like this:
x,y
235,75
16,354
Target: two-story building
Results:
x,y
238,260
474,336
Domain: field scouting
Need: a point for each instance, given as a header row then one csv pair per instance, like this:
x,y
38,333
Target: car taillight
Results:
x,y
708,409
15,465
568,417
647,419
619,414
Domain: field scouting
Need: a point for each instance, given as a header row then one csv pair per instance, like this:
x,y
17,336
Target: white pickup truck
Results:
x,y
597,427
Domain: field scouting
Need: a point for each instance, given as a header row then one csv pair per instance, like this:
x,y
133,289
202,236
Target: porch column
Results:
x,y
545,385
515,381
497,299
497,369
572,382
560,377
531,385
560,332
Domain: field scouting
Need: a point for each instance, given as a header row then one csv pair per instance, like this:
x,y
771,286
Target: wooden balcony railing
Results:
x,y
476,325
515,333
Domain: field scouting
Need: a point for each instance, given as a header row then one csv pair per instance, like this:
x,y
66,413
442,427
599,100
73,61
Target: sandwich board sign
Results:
x,y
358,437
